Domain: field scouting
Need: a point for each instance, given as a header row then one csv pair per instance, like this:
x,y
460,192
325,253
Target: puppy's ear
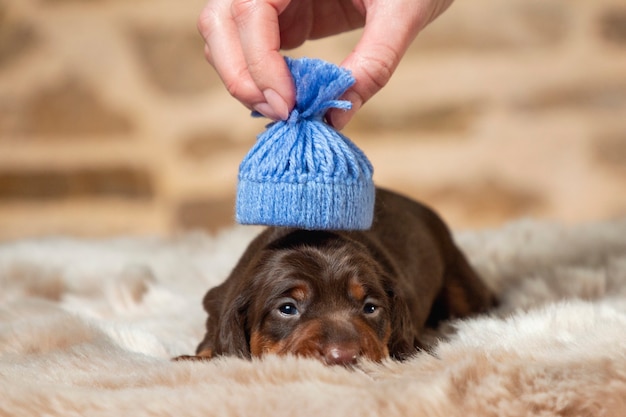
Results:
x,y
226,326
403,340
227,304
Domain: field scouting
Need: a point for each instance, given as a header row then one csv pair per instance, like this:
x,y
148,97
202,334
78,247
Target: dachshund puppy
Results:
x,y
343,295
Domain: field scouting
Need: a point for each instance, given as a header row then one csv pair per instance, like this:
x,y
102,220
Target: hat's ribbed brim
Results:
x,y
309,205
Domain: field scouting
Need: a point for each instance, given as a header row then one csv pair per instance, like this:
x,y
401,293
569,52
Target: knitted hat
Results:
x,y
302,172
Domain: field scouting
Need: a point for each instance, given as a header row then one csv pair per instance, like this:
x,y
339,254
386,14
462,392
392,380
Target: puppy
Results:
x,y
340,296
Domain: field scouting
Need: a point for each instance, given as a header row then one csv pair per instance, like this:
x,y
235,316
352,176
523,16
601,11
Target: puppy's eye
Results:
x,y
370,308
288,309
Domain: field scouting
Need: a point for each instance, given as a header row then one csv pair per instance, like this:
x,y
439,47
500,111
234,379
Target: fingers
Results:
x,y
372,65
242,43
259,33
243,40
380,49
223,51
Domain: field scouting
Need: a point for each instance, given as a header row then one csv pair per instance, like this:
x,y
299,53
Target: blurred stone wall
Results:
x,y
112,123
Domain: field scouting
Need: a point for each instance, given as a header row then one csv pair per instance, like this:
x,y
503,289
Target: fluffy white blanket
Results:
x,y
87,328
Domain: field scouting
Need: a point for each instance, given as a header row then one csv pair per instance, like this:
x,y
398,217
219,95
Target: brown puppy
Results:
x,y
339,296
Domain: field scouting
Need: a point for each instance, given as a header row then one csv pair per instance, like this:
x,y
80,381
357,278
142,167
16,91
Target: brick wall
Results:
x,y
112,123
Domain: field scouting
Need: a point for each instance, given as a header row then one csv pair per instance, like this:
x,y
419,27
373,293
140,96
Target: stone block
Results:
x,y
495,26
54,2
56,184
208,213
201,146
612,26
483,202
609,151
17,37
436,118
69,109
606,94
173,60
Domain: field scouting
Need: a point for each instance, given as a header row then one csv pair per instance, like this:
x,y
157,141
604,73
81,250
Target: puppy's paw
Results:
x,y
204,355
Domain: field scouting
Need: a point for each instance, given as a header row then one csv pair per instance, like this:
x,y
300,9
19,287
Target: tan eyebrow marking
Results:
x,y
357,291
299,293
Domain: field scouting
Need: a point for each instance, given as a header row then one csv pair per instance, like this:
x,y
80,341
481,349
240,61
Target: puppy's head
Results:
x,y
313,294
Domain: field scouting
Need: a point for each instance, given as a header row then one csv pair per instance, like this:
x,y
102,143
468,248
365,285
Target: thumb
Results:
x,y
385,39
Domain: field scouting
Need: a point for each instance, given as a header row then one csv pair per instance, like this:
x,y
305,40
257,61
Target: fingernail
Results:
x,y
277,103
266,110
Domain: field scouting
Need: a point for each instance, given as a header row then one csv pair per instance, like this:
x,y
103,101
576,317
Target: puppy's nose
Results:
x,y
341,355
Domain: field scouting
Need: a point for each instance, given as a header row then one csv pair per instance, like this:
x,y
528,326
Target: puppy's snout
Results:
x,y
341,355
341,342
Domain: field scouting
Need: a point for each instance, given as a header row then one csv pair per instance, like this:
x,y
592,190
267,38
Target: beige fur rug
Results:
x,y
87,329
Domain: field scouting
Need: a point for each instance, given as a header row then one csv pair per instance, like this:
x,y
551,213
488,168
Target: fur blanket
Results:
x,y
87,328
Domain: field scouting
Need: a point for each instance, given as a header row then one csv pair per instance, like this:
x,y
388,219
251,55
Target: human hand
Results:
x,y
244,37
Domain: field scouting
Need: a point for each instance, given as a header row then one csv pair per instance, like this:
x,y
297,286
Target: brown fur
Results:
x,y
344,295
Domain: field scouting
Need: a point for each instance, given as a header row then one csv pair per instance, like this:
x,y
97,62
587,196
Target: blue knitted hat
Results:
x,y
302,172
